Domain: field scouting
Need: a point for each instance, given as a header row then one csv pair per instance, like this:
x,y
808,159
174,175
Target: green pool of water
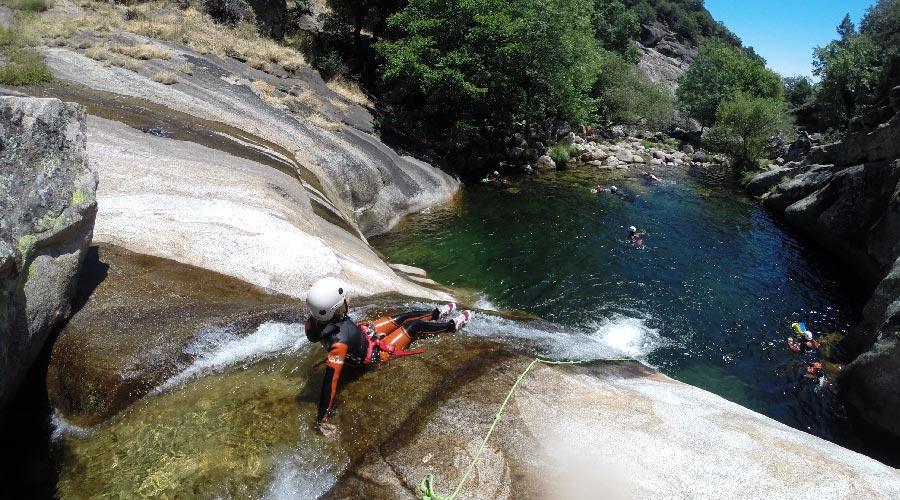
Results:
x,y
708,299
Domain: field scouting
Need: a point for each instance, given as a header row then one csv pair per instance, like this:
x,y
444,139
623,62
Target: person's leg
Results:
x,y
401,337
387,324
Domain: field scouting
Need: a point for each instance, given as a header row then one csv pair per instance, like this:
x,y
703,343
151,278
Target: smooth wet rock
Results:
x,y
207,208
47,210
132,333
368,182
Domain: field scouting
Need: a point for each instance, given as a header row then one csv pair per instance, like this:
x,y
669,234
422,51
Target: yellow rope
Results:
x,y
427,484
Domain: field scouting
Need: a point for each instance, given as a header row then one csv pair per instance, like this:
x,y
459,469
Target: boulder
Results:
x,y
612,161
47,211
637,159
687,148
768,179
797,188
655,161
544,163
625,155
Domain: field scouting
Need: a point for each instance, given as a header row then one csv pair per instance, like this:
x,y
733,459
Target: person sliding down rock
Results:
x,y
368,343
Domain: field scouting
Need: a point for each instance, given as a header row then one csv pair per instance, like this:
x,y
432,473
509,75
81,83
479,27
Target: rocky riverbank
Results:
x,y
846,195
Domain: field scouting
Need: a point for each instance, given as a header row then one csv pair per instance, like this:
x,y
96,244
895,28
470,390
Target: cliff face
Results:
x,y
846,195
47,209
664,57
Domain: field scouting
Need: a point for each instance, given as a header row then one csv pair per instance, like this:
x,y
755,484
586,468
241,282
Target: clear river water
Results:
x,y
708,299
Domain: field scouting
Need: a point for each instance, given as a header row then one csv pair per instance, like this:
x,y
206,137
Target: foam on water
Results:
x,y
615,337
217,348
62,428
303,474
627,335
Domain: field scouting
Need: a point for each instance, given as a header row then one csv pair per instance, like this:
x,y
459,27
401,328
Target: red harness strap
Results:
x,y
377,341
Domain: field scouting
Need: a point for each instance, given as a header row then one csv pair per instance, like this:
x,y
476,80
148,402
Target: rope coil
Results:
x,y
427,484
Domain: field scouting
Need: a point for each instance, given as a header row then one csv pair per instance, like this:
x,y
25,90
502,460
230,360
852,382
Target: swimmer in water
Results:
x,y
636,238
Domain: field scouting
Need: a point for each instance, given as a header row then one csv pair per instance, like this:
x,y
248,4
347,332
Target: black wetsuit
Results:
x,y
345,341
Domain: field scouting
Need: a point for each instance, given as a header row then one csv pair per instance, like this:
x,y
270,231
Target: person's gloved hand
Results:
x,y
327,430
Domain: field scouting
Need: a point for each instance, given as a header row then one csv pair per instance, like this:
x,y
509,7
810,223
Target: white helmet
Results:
x,y
632,229
325,297
808,335
613,189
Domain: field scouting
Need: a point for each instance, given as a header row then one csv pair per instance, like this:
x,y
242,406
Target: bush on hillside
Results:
x,y
562,152
230,12
616,27
744,124
626,96
719,73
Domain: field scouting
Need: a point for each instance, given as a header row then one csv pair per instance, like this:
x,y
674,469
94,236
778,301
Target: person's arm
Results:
x,y
333,367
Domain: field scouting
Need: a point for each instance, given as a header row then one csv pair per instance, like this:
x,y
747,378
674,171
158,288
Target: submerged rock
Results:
x,y
47,209
141,315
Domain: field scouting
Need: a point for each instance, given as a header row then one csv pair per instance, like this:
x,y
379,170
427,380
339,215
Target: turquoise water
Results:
x,y
708,299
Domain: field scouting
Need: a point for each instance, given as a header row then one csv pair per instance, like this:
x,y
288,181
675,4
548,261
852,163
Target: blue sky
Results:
x,y
784,32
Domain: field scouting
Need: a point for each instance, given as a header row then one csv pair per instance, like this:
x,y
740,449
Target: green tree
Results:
x,y
626,96
465,72
743,126
849,72
798,90
616,28
719,72
881,24
846,29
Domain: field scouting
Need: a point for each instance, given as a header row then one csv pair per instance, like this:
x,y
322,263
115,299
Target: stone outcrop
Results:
x,y
47,210
664,57
846,195
325,133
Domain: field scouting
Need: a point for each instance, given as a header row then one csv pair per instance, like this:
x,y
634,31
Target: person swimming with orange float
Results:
x,y
365,344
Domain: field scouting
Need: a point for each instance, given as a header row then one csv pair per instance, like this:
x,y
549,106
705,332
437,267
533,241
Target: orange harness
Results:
x,y
377,345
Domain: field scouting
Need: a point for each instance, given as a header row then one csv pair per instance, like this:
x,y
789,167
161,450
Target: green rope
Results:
x,y
427,484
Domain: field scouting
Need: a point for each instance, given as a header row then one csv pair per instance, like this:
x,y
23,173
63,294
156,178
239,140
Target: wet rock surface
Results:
x,y
568,430
183,201
132,332
47,210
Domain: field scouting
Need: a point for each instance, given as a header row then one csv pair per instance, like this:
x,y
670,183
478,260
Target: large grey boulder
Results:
x,y
47,210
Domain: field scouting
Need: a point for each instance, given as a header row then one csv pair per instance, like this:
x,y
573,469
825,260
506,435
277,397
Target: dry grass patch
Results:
x,y
186,68
144,51
98,53
325,123
309,98
165,78
349,90
164,20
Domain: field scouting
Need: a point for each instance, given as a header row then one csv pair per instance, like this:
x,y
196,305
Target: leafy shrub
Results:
x,y
463,74
798,90
626,96
744,124
25,67
562,152
230,12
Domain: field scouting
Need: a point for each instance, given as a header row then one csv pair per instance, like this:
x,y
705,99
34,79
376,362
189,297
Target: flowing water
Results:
x,y
708,299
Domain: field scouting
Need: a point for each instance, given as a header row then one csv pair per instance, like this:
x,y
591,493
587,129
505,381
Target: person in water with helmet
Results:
x,y
636,238
365,344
